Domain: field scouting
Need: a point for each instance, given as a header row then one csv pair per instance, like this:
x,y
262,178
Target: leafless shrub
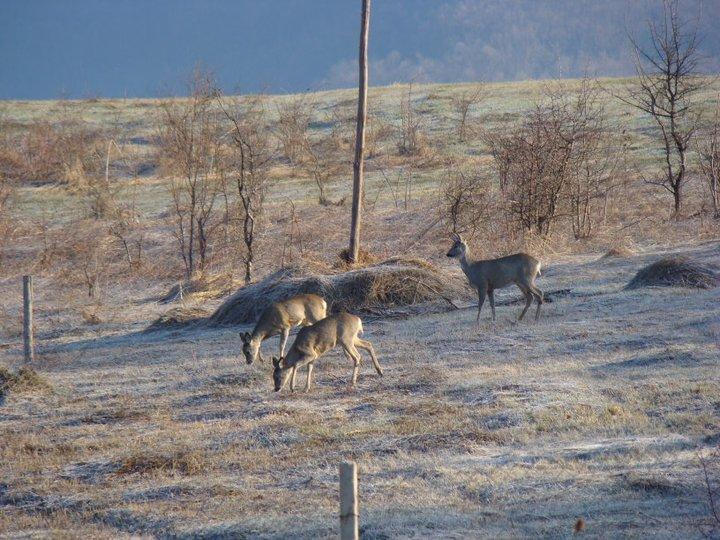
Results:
x,y
710,465
465,201
291,129
412,141
51,151
461,104
709,157
189,142
323,169
560,161
86,256
399,181
667,82
246,167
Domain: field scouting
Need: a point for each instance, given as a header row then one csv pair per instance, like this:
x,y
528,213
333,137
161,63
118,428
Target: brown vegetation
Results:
x,y
392,283
676,272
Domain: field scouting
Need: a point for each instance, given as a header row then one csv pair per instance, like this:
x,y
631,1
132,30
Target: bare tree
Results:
x,y
247,166
461,105
667,81
189,142
709,154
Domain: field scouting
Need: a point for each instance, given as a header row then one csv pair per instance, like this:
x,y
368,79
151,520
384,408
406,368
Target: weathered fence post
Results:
x,y
28,339
349,505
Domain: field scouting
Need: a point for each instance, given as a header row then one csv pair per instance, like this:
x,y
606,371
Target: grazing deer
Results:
x,y
486,276
314,341
279,318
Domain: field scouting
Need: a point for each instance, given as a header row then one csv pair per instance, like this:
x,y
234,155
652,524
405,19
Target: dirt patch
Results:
x,y
392,283
676,272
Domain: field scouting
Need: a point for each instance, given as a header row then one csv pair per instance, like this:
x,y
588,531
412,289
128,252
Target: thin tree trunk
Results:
x,y
360,135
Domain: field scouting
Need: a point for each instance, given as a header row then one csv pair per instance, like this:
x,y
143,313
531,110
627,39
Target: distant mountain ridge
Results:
x,y
136,48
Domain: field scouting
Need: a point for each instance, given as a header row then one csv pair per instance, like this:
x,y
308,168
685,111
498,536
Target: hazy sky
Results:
x,y
82,48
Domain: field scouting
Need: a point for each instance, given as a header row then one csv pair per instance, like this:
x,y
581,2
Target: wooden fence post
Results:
x,y
349,505
28,338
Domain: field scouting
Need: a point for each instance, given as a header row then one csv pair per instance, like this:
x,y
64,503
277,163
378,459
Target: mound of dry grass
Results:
x,y
202,288
618,252
181,461
392,283
25,380
178,317
676,272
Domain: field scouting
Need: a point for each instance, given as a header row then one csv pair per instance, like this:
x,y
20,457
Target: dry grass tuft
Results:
x,y
676,272
396,282
25,380
618,252
365,258
650,483
177,318
181,461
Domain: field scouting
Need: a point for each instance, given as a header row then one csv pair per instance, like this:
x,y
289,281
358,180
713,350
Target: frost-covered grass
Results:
x,y
598,411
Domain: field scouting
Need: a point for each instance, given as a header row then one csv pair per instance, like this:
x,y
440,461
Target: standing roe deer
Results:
x,y
486,276
313,341
279,318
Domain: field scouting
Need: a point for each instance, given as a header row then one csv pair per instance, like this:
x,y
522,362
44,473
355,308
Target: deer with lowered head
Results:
x,y
279,318
486,276
313,341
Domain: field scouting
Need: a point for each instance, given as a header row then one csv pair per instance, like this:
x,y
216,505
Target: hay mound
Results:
x,y
206,287
676,272
178,317
618,252
392,283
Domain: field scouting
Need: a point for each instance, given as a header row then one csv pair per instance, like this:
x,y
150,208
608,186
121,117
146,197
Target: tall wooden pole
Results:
x,y
28,339
349,505
360,134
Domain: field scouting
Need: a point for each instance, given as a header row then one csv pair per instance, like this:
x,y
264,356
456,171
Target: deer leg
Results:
x,y
539,297
491,297
528,301
481,301
283,340
353,355
292,377
366,345
309,376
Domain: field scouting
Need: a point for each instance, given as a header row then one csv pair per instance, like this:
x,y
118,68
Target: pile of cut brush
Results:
x,y
376,288
676,272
